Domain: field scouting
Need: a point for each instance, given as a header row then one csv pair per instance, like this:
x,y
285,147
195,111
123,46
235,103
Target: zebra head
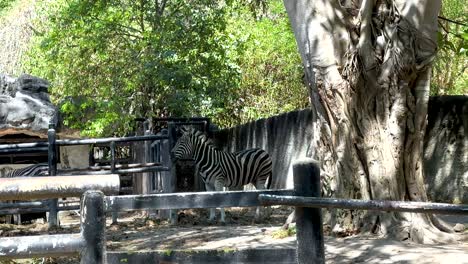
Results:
x,y
183,148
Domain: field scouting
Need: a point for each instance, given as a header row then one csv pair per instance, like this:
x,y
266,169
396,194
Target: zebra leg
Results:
x,y
219,186
210,188
261,185
17,219
258,213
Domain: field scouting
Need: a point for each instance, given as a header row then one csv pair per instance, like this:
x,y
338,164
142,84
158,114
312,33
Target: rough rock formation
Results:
x,y
25,107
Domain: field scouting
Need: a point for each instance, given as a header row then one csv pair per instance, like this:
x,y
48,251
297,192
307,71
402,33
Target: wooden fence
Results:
x,y
304,196
154,160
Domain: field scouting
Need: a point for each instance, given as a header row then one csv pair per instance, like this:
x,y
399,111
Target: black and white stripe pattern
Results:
x,y
222,169
41,169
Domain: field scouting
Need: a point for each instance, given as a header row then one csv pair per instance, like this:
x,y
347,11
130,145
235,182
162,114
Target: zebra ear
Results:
x,y
186,129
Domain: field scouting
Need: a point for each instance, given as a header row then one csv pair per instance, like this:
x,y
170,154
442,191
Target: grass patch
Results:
x,y
283,233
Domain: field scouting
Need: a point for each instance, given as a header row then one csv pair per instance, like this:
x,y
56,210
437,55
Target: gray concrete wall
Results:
x,y
287,138
446,149
76,157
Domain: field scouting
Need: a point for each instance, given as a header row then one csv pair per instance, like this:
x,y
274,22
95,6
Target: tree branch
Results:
x,y
162,7
448,31
453,21
142,15
365,46
117,25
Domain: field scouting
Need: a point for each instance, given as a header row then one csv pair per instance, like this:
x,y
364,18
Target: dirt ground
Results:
x,y
136,232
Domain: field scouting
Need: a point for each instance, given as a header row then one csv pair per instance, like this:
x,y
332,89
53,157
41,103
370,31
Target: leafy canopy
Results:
x,y
113,61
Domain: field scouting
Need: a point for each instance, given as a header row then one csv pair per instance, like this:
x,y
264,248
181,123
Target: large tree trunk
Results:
x,y
368,67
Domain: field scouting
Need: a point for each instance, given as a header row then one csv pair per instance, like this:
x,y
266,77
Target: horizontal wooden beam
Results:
x,y
24,145
20,205
71,142
40,246
181,119
36,210
27,188
117,171
188,200
226,255
23,150
117,166
380,205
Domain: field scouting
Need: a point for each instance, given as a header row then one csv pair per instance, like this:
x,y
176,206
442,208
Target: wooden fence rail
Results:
x,y
310,246
28,188
89,243
188,200
376,205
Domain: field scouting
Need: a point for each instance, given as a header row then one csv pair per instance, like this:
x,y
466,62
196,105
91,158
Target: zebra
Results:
x,y
220,169
40,169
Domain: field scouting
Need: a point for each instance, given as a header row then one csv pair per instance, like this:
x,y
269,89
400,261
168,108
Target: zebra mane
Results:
x,y
202,136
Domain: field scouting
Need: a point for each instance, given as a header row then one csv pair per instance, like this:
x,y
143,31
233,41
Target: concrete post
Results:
x,y
310,245
52,162
93,228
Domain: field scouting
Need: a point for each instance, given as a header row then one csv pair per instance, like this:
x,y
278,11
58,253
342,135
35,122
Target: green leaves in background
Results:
x,y
112,61
126,59
450,71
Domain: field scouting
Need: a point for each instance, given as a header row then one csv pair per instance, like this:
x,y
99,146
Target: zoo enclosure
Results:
x,y
155,166
304,196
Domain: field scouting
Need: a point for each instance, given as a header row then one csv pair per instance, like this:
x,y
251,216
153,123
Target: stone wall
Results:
x,y
446,149
287,138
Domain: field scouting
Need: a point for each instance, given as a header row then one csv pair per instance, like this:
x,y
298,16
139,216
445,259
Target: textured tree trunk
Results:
x,y
368,67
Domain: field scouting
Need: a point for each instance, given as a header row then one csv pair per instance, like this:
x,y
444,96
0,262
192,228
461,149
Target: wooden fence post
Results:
x,y
115,214
113,156
310,244
172,133
93,228
147,176
52,163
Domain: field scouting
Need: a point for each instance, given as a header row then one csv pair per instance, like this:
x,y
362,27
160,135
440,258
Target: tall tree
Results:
x,y
368,67
112,61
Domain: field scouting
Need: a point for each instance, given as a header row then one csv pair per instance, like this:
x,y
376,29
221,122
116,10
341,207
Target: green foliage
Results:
x,y
270,63
451,65
5,6
112,61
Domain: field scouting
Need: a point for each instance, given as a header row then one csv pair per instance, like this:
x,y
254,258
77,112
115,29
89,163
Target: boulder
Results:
x,y
459,227
25,107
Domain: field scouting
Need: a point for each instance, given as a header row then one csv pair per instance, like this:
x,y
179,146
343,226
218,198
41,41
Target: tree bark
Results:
x,y
367,64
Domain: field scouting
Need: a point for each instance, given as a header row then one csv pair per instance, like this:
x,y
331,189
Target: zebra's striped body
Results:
x,y
41,169
222,169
